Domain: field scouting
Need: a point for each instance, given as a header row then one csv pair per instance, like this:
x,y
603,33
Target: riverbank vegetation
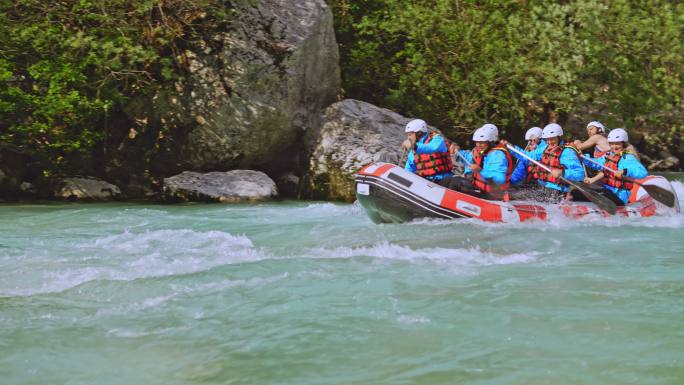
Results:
x,y
68,67
520,63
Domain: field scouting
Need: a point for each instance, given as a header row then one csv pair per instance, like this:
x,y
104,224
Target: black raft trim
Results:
x,y
411,197
402,181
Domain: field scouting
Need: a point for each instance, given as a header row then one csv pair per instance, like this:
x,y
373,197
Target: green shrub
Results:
x,y
66,66
518,64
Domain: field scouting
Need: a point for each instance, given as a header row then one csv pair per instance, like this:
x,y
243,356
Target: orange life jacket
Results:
x,y
478,158
600,153
551,159
531,168
428,165
609,178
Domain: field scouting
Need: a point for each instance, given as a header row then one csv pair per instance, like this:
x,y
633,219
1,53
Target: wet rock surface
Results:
x,y
253,92
85,188
226,187
354,134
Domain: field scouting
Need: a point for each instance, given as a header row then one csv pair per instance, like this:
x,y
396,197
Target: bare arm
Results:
x,y
596,177
592,141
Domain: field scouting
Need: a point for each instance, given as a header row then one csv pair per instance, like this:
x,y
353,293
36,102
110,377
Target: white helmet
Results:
x,y
416,125
533,133
491,128
552,130
484,134
598,125
617,135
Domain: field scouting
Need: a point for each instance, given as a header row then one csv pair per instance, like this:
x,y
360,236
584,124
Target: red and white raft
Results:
x,y
392,194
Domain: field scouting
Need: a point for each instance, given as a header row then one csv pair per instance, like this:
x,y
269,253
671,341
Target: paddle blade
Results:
x,y
599,200
603,203
660,194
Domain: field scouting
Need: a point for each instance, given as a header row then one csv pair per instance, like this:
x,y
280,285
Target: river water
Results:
x,y
315,293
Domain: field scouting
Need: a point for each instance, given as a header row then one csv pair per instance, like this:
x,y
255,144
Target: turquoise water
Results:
x,y
314,293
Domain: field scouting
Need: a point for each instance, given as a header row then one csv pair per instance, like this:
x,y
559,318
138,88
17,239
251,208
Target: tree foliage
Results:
x,y
459,63
65,66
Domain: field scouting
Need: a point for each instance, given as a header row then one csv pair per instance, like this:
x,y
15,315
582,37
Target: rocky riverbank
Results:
x,y
258,115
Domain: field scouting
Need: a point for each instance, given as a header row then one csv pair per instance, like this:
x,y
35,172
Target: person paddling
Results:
x,y
534,140
488,166
598,141
596,133
622,162
428,154
562,160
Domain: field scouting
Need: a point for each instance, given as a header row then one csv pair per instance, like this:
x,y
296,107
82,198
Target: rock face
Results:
x,y
254,90
667,163
19,175
86,188
231,186
354,134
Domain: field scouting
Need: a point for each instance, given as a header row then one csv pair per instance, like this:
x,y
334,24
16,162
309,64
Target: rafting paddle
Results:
x,y
658,193
602,202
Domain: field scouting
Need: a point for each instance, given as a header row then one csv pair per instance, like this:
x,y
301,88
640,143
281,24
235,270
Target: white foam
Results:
x,y
128,333
460,256
129,256
434,221
327,209
179,290
679,190
415,319
148,303
220,286
556,219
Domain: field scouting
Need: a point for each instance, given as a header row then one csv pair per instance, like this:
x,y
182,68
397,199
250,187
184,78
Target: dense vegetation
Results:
x,y
67,66
518,63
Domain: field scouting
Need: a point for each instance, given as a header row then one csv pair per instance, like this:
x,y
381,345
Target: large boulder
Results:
x,y
254,90
667,162
86,188
354,134
231,186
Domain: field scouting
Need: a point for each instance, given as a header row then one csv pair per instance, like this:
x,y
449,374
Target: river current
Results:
x,y
315,293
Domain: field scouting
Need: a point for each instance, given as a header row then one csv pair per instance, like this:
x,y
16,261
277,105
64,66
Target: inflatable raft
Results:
x,y
391,194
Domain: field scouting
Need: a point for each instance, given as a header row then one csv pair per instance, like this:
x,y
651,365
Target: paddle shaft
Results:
x,y
601,201
658,193
609,169
527,147
458,153
542,165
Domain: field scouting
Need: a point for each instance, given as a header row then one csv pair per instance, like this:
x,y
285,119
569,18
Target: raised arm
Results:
x,y
592,141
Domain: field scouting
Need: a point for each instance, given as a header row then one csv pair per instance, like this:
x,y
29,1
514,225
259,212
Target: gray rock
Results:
x,y
86,188
253,91
354,134
231,186
668,163
27,188
288,185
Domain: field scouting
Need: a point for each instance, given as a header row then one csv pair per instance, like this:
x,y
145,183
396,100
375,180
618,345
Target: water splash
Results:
x,y
456,256
128,256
